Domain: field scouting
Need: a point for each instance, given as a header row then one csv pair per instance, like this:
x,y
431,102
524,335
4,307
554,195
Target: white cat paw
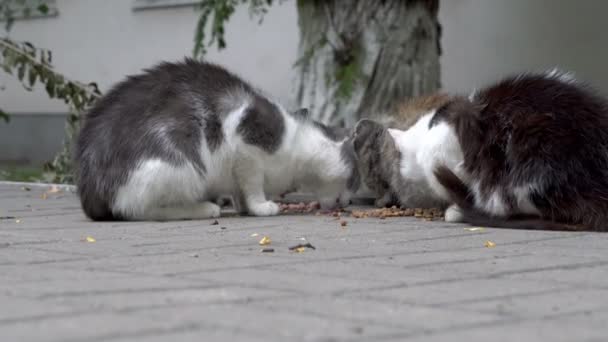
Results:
x,y
453,214
268,208
208,209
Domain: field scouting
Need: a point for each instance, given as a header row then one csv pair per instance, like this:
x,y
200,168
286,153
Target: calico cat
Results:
x,y
164,144
529,152
378,156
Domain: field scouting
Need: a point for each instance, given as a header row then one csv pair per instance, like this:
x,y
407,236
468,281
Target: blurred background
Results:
x,y
102,41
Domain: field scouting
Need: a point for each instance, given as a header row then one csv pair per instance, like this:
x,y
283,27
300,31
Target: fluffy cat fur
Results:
x,y
528,152
378,156
163,144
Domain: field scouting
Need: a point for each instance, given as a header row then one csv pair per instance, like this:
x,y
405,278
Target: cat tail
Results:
x,y
97,209
461,195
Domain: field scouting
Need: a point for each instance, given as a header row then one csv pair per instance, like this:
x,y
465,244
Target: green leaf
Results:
x,y
50,87
32,75
43,8
21,71
4,116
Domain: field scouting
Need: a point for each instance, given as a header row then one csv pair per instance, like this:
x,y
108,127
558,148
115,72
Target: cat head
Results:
x,y
334,175
373,147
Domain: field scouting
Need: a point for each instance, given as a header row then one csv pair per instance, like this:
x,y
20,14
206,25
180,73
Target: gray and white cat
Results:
x,y
163,144
379,157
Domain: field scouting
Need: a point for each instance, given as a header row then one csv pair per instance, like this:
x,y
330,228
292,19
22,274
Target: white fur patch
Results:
x,y
522,198
423,150
453,214
155,183
556,73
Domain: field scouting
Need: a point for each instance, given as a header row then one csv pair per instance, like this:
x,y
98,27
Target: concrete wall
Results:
x,y
102,41
486,39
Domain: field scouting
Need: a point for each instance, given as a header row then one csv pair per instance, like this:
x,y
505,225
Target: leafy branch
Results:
x,y
9,9
31,66
219,12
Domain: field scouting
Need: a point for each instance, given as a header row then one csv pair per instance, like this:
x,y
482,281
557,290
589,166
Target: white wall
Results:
x,y
102,41
486,39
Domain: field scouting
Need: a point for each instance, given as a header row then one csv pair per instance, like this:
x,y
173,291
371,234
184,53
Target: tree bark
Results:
x,y
360,58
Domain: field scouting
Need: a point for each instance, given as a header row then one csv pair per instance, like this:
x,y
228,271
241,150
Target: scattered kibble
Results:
x,y
90,239
299,248
254,234
343,223
265,241
475,229
489,244
17,221
53,190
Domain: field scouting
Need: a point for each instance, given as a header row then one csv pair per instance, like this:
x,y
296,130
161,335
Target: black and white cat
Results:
x,y
163,144
528,152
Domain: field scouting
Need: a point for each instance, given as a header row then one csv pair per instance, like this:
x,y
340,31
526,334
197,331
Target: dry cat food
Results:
x,y
299,208
427,214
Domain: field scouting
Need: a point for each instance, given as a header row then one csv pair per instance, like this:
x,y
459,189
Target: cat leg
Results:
x,y
194,211
453,214
385,200
249,178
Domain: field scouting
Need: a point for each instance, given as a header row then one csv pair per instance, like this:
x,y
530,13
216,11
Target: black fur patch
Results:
x,y
262,125
535,129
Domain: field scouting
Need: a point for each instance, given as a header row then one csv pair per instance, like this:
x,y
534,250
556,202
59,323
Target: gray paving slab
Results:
x,y
373,280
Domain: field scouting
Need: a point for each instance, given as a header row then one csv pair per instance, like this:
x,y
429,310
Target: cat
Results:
x,y
165,144
378,156
528,152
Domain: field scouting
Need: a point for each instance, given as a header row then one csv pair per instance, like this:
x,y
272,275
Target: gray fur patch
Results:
x,y
262,125
213,132
334,133
375,151
348,155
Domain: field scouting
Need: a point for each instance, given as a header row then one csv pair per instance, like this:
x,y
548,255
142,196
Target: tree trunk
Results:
x,y
360,58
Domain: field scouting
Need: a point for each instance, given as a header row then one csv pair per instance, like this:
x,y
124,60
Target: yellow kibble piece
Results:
x,y
489,244
90,239
265,241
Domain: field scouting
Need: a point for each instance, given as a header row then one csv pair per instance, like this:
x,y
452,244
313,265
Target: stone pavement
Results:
x,y
373,280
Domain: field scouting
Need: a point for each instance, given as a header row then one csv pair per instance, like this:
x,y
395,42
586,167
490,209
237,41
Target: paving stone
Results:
x,y
372,280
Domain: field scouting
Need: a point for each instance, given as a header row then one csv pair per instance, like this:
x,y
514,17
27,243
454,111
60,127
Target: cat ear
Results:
x,y
301,113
